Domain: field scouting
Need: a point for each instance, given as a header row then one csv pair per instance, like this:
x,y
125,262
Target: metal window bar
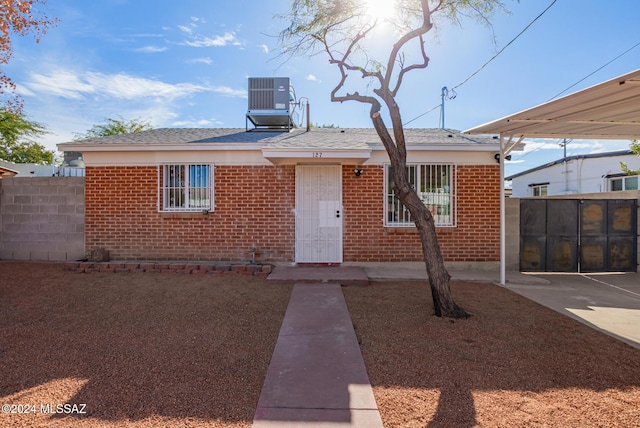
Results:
x,y
186,187
435,184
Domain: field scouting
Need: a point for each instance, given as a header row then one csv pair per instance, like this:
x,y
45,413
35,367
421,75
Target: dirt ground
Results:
x,y
513,364
157,350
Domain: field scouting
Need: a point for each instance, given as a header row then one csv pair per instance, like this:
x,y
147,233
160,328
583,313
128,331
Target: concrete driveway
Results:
x,y
607,302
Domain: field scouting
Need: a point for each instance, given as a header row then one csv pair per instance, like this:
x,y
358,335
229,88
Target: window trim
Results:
x,y
452,195
161,186
623,179
540,186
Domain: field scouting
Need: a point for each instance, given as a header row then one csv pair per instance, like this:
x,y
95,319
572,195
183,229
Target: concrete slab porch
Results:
x,y
345,275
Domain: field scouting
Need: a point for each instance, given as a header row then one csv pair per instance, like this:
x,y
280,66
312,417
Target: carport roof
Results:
x,y
609,110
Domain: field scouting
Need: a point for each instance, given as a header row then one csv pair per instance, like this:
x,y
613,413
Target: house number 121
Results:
x,y
317,154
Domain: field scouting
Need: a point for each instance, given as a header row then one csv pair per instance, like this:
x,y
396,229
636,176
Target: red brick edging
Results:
x,y
159,267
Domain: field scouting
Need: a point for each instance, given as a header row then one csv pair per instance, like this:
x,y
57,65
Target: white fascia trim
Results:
x,y
159,147
313,153
447,147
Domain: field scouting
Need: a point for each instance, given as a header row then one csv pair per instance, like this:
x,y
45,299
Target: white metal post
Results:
x,y
502,215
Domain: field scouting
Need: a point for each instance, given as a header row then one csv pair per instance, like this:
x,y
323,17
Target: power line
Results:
x,y
418,117
594,72
492,58
505,46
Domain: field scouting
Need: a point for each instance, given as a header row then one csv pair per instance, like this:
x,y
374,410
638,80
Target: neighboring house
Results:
x,y
28,169
5,171
37,170
318,196
592,173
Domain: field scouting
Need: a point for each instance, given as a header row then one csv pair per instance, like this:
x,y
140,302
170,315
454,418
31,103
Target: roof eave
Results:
x,y
136,147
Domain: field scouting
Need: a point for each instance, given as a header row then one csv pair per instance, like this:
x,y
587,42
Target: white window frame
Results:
x,y
541,189
441,201
624,179
180,183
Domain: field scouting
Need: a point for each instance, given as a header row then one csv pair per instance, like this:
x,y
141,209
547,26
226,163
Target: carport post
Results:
x,y
503,270
505,149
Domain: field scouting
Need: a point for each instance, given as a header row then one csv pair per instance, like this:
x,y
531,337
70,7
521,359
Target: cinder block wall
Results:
x,y
254,206
475,238
42,218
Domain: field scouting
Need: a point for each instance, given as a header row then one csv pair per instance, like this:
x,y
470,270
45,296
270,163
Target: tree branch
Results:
x,y
403,71
423,29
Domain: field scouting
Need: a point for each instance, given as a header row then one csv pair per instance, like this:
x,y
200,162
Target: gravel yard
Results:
x,y
513,364
157,350
140,350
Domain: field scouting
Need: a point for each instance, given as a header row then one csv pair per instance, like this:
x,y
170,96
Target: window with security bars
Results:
x,y
435,185
186,187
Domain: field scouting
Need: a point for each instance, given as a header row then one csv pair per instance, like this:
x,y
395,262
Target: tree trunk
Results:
x,y
438,275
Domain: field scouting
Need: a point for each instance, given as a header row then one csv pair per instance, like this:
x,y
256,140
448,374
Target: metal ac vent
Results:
x,y
268,93
269,99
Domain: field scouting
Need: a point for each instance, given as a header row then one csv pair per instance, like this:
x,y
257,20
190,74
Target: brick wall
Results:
x,y
475,238
41,218
253,207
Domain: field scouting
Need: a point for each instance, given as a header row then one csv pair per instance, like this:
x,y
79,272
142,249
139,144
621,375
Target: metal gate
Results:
x,y
573,235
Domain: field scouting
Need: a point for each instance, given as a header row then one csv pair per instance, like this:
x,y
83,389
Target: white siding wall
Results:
x,y
582,176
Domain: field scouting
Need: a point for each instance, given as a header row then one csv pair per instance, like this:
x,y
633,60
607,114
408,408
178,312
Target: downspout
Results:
x,y
579,178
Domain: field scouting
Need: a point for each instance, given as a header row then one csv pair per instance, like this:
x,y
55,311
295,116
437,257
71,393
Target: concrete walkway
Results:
x,y
609,303
317,376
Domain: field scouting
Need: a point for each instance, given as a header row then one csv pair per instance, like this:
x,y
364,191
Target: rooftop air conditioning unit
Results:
x,y
269,102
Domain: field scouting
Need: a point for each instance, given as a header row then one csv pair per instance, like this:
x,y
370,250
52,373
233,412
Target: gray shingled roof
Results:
x,y
333,138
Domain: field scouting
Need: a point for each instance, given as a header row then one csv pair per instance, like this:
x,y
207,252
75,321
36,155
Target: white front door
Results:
x,y
318,214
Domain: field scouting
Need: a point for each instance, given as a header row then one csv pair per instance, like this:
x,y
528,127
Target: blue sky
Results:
x,y
186,63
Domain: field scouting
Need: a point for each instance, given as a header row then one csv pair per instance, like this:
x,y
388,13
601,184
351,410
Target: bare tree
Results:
x,y
341,30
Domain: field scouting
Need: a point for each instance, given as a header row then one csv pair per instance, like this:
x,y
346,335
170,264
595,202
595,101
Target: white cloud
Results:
x,y
265,48
205,60
217,41
71,85
185,29
312,78
230,92
151,49
193,123
573,146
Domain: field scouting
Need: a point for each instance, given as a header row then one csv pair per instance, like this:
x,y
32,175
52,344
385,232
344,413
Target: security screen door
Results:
x,y
318,214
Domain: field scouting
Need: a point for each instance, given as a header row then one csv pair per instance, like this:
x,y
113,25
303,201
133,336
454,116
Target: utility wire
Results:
x,y
492,58
594,72
505,46
418,117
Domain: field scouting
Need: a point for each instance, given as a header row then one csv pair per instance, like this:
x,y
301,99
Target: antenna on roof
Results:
x,y
449,94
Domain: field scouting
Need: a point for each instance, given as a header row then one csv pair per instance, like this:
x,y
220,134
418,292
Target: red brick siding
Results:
x,y
475,237
253,207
